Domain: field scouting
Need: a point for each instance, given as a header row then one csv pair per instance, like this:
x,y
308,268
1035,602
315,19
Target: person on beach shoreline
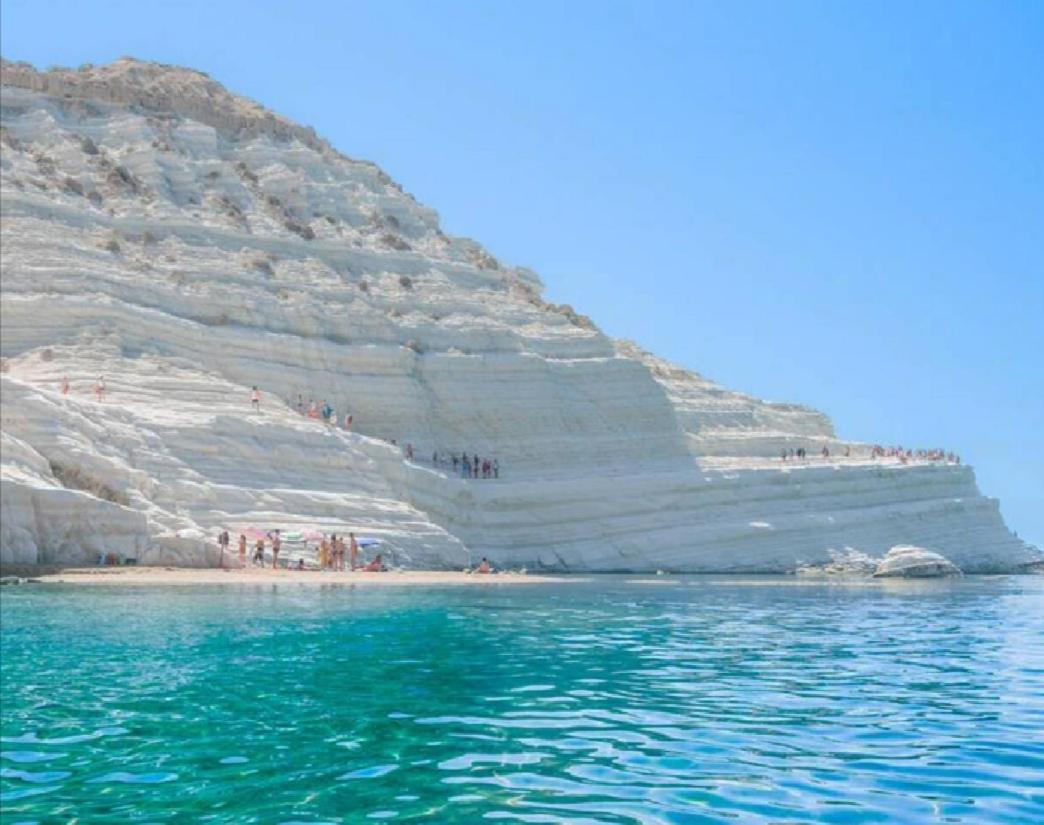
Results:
x,y
277,544
353,551
484,566
376,566
324,553
223,544
259,553
242,550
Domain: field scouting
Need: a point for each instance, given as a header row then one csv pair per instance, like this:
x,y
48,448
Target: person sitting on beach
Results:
x,y
259,553
484,566
376,566
277,544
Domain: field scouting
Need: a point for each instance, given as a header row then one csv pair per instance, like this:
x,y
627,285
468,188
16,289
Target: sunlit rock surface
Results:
x,y
905,561
187,244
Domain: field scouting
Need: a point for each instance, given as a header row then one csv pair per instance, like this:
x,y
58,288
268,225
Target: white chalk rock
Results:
x,y
906,561
188,244
846,563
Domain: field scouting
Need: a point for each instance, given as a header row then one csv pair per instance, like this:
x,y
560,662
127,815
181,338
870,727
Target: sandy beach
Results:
x,y
137,576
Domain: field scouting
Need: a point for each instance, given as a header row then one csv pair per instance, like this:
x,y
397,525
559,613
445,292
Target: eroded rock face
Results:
x,y
188,244
905,561
846,563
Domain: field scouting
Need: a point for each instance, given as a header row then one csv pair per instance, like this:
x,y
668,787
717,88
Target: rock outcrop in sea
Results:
x,y
187,244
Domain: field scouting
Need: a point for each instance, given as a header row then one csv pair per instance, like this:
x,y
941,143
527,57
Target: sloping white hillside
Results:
x,y
188,245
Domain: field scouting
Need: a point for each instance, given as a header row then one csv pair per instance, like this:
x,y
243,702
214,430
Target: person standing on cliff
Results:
x,y
99,388
65,385
255,398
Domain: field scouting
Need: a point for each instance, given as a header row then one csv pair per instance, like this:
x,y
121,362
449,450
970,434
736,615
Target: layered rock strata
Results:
x,y
187,244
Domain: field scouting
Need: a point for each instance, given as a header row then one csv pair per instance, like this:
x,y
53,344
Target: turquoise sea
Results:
x,y
699,700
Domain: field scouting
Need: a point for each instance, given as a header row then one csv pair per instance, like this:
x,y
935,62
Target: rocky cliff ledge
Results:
x,y
187,244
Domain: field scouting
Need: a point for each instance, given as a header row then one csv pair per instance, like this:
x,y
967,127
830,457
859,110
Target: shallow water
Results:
x,y
699,701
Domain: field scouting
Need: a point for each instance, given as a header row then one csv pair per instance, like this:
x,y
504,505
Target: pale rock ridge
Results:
x,y
161,88
905,561
188,244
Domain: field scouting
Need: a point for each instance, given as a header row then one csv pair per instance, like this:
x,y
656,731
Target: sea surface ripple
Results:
x,y
661,701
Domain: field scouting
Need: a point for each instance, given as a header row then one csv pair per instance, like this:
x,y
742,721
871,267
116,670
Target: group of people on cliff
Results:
x,y
904,456
801,454
322,411
98,389
908,455
472,466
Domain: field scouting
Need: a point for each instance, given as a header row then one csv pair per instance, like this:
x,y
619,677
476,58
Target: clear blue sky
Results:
x,y
837,203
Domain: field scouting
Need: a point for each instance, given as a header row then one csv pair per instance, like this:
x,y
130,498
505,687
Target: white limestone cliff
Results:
x,y
187,244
